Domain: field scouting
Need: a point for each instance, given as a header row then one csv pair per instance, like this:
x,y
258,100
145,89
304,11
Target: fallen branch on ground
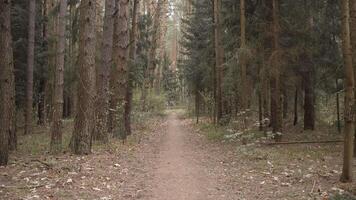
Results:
x,y
48,166
304,142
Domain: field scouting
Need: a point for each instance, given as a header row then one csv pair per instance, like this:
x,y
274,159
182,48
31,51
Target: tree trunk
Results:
x,y
121,69
285,102
7,85
349,131
353,46
113,73
338,108
243,93
309,110
56,132
276,113
218,59
41,103
295,122
84,122
197,103
30,63
132,56
102,111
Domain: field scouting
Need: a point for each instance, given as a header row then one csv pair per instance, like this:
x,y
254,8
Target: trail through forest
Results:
x,y
180,172
170,158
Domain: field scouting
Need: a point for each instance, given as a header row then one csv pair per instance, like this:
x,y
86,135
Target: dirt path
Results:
x,y
179,173
167,159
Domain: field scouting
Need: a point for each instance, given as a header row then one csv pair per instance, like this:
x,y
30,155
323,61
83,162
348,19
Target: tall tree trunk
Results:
x,y
52,30
84,122
30,63
353,46
113,76
56,132
102,111
121,69
276,113
218,59
132,56
243,56
349,131
7,85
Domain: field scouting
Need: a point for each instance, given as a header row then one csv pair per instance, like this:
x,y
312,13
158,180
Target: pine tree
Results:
x,y
56,136
7,85
84,121
101,132
349,129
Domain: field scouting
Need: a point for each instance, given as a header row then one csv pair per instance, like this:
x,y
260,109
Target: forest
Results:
x,y
177,99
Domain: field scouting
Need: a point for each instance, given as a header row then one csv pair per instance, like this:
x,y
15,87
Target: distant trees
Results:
x,y
7,84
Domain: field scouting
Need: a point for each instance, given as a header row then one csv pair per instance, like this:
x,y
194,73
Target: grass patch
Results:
x,y
39,142
212,132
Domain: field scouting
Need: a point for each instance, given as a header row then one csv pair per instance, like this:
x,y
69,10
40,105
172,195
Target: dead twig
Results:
x,y
304,142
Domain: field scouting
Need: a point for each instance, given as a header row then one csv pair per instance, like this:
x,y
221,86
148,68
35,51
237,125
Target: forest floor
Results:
x,y
171,158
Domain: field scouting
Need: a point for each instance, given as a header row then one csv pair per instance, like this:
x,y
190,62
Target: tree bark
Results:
x,y
349,131
7,85
56,132
121,69
30,63
132,56
353,46
84,122
102,111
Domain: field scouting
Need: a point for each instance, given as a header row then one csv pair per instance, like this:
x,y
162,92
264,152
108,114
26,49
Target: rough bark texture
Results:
x,y
132,56
101,132
30,63
7,85
84,121
353,46
349,131
218,59
56,132
121,68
